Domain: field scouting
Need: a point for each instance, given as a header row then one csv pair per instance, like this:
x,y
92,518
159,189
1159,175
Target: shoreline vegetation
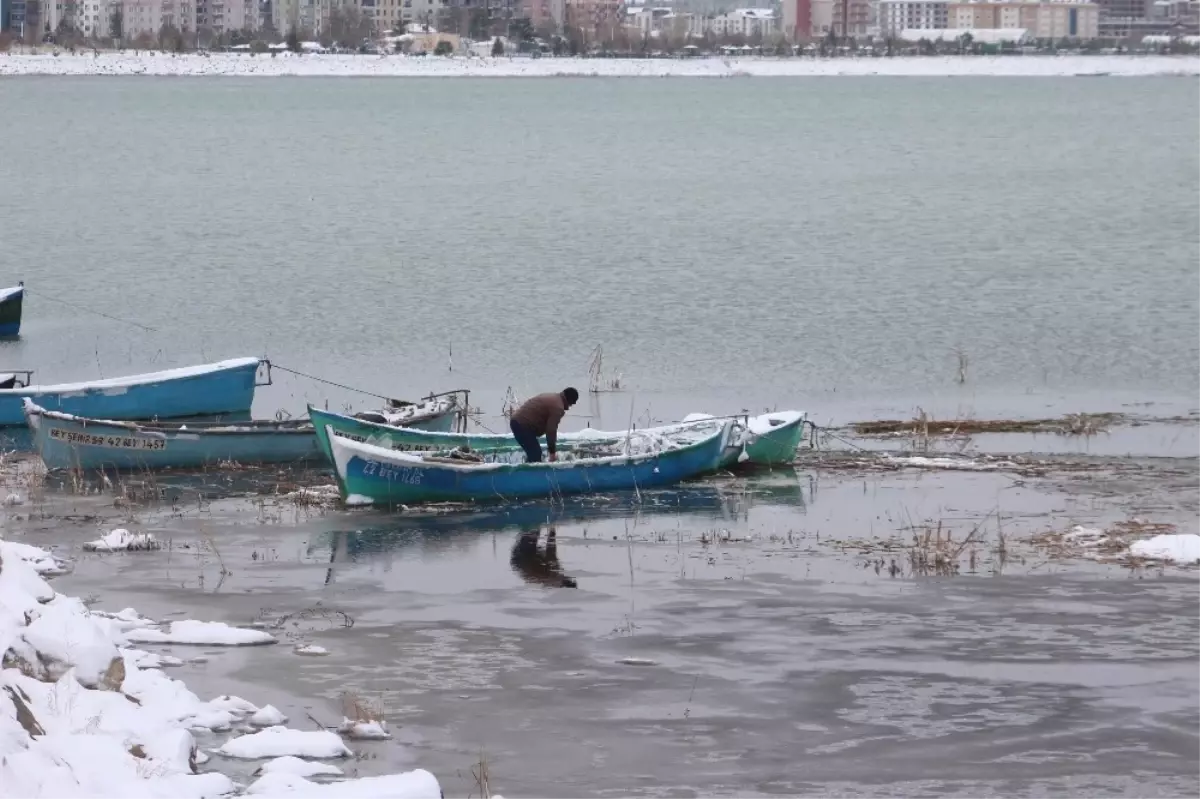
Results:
x,y
53,61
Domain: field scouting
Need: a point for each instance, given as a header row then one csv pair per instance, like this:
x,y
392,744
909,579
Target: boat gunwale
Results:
x,y
400,458
287,426
135,381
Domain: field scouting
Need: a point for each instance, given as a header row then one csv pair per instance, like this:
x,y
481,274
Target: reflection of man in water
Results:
x,y
539,566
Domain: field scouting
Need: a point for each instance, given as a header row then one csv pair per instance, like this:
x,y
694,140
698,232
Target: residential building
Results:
x,y
853,18
705,8
796,19
308,17
545,14
745,22
983,36
219,17
1048,19
899,15
646,19
1125,9
23,18
653,21
593,15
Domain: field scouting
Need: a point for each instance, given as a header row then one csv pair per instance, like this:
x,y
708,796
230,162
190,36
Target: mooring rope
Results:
x,y
298,373
90,310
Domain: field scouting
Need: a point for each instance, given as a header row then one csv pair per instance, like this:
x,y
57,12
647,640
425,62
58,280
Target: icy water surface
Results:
x,y
826,244
765,635
857,248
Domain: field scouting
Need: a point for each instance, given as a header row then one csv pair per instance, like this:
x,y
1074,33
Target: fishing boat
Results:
x,y
767,440
69,441
10,310
439,413
371,475
436,415
72,442
208,390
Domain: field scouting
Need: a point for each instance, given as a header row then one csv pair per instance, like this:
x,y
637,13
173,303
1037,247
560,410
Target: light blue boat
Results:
x,y
10,311
371,475
71,442
208,390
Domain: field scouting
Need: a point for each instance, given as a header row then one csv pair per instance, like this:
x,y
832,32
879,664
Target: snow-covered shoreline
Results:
x,y
82,713
317,65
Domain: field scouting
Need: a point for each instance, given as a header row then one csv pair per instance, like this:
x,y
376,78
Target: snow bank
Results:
x,y
121,539
81,714
202,633
950,464
280,741
1175,547
279,784
145,63
364,730
269,716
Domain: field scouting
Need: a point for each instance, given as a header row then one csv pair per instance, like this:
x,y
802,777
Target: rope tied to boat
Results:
x,y
298,373
89,310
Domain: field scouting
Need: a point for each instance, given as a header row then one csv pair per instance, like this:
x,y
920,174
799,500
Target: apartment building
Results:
x,y
853,17
1044,19
745,22
899,15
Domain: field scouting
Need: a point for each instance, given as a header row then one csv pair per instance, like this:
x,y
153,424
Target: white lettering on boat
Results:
x,y
110,442
393,474
385,442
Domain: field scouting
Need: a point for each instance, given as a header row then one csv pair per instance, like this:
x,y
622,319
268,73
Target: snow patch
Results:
x,y
236,64
39,559
311,650
280,741
279,783
121,539
364,730
951,464
269,716
130,736
202,633
1182,548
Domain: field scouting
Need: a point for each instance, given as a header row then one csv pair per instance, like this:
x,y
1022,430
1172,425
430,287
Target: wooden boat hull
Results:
x,y
11,300
224,387
773,438
774,443
72,442
369,474
382,435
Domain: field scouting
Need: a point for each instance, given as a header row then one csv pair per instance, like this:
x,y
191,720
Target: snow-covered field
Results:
x,y
82,713
148,63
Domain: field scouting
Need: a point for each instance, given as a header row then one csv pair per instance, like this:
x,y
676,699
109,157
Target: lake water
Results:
x,y
826,244
821,244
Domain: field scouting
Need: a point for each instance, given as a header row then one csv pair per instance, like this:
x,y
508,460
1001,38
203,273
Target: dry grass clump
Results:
x,y
361,709
1109,544
921,426
935,550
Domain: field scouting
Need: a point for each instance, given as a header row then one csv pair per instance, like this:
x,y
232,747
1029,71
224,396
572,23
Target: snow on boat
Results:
x,y
438,412
208,390
371,475
436,415
766,440
10,310
73,442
